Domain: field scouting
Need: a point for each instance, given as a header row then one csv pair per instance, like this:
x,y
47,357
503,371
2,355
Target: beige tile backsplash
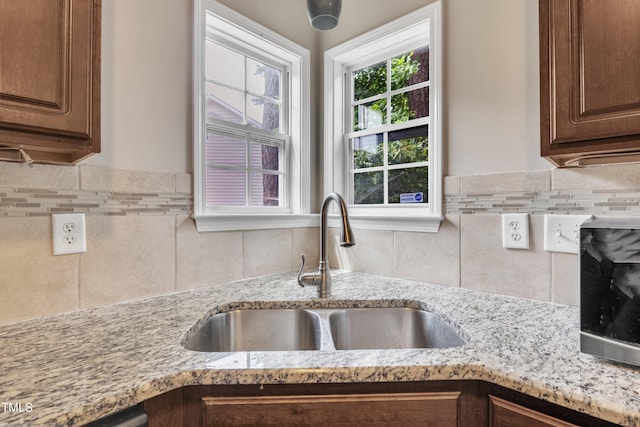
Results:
x,y
266,252
33,282
430,257
128,257
597,178
486,266
101,178
38,176
373,252
206,258
142,241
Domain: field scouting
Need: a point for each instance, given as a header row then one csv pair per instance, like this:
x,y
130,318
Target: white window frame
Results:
x,y
394,38
257,38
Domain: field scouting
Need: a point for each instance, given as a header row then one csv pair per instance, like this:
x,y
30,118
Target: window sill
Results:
x,y
422,224
237,222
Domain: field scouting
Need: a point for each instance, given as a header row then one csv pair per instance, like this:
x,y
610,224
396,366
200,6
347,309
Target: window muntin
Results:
x,y
242,90
389,131
348,117
246,131
242,171
392,91
264,132
388,165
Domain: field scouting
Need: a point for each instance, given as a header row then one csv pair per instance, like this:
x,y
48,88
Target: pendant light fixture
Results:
x,y
324,14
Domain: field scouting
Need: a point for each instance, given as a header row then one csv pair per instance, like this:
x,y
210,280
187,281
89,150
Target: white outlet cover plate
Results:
x,y
562,233
60,224
515,231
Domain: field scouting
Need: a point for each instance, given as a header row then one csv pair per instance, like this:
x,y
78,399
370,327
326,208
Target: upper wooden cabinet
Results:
x,y
50,79
590,81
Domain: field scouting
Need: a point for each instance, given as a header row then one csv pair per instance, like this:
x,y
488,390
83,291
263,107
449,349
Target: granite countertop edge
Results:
x,y
525,345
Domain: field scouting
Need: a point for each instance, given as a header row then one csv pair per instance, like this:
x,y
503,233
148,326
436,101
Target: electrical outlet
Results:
x,y
69,234
515,231
562,233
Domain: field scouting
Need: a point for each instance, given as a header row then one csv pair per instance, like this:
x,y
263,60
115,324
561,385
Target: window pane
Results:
x,y
369,81
224,65
263,79
408,181
368,151
224,103
409,146
226,187
226,150
265,157
370,115
263,114
368,188
410,105
265,189
410,68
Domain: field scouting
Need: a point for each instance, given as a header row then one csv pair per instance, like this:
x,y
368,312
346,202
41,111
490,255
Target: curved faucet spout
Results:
x,y
322,277
346,234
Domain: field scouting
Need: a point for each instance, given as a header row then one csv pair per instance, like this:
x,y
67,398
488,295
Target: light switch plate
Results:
x,y
562,233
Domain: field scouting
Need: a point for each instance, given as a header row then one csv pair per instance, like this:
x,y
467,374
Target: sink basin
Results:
x,y
322,329
258,330
389,328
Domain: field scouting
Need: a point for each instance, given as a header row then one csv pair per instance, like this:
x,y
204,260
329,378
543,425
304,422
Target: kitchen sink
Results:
x,y
322,329
387,328
258,330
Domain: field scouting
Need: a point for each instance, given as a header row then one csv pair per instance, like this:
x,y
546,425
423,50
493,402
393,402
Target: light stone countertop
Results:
x,y
73,368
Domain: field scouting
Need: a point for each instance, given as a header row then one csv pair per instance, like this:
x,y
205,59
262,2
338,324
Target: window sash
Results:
x,y
248,136
211,18
247,54
246,131
384,129
385,167
419,28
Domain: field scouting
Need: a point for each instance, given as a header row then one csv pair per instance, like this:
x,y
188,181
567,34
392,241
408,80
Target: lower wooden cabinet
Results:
x,y
385,409
428,403
503,413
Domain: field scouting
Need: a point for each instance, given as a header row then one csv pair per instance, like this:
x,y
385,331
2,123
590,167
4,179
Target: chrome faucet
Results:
x,y
322,277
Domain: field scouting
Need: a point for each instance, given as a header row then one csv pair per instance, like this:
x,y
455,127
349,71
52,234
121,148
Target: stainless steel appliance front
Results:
x,y
610,289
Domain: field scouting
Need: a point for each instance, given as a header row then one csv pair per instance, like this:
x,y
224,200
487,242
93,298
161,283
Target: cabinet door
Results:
x,y
398,409
503,413
50,68
590,90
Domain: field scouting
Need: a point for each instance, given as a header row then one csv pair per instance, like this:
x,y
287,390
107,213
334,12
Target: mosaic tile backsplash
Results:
x,y
38,202
142,242
617,192
561,202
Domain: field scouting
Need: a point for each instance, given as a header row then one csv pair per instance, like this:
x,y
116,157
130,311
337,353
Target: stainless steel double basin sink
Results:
x,y
296,329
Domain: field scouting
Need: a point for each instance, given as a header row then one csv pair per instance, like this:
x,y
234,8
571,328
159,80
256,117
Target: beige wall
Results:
x,y
146,86
491,89
491,78
491,128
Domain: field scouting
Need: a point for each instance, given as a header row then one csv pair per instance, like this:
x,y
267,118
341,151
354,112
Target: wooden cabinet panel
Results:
x,y
503,413
409,409
166,410
590,91
50,78
429,403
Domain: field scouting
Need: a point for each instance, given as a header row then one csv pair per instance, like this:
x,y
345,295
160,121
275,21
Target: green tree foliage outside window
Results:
x,y
404,147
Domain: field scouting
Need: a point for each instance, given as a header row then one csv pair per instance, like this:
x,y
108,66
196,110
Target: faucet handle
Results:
x,y
300,282
312,278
